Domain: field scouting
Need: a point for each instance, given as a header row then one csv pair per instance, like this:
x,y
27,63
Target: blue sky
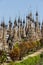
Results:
x,y
16,8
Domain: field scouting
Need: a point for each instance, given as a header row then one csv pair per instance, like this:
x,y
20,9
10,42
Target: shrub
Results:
x,y
14,54
1,52
41,55
22,49
41,41
38,44
19,50
3,56
16,45
34,44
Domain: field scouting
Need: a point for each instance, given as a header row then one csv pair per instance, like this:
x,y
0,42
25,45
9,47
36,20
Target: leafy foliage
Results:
x,y
41,41
15,53
3,56
22,49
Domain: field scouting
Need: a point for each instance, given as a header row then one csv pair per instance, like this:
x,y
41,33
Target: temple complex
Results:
x,y
29,29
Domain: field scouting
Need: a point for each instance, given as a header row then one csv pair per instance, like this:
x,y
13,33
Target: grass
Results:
x,y
36,60
30,61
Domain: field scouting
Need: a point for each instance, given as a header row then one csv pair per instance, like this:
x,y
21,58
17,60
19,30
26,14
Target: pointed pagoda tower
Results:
x,y
10,27
24,32
4,33
15,29
42,29
37,27
30,26
19,28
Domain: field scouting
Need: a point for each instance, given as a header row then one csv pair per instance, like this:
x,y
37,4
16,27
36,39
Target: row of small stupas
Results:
x,y
29,29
